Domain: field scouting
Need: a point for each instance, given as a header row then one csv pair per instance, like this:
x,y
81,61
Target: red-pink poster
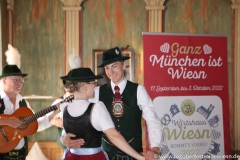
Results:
x,y
186,75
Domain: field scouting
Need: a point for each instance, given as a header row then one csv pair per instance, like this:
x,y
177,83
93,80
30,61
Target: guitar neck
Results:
x,y
39,114
45,111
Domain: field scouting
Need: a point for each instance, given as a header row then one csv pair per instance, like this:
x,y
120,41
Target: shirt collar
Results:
x,y
121,85
3,95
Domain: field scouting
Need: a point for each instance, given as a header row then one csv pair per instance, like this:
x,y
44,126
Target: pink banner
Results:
x,y
186,75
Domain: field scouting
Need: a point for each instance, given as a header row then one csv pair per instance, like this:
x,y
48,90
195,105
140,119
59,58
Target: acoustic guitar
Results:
x,y
10,137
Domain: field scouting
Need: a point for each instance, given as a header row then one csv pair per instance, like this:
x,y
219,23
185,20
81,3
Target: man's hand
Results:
x,y
57,122
154,154
13,122
68,142
52,114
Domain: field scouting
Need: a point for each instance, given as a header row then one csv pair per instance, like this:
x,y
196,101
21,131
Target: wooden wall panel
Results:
x,y
202,17
50,149
110,23
4,25
39,37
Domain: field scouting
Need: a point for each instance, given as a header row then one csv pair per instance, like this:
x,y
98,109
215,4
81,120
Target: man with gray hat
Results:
x,y
15,148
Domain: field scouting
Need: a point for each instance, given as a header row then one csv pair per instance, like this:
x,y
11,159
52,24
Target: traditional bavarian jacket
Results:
x,y
144,103
129,125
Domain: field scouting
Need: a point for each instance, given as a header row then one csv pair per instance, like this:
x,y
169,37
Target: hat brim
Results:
x,y
78,79
112,61
14,74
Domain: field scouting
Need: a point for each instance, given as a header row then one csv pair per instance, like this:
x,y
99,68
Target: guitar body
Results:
x,y
14,135
10,137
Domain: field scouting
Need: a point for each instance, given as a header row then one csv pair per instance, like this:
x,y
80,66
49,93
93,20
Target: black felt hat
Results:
x,y
112,55
11,70
81,75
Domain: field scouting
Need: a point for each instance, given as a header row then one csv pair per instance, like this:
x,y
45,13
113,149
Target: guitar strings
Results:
x,y
33,117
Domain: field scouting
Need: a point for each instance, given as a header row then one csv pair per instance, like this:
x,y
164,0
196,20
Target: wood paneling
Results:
x,y
39,37
111,23
50,149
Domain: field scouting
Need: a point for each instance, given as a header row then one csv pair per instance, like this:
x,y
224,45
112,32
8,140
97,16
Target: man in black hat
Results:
x,y
10,100
127,102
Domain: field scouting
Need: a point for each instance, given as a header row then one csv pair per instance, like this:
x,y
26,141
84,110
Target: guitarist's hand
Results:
x,y
71,143
13,122
52,115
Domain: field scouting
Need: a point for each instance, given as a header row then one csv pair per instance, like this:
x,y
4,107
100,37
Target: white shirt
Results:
x,y
149,114
100,118
43,122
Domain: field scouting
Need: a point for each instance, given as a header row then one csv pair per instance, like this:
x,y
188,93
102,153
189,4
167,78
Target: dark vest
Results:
x,y
81,126
22,103
129,125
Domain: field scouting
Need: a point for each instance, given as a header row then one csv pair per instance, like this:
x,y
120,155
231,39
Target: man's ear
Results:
x,y
124,65
3,80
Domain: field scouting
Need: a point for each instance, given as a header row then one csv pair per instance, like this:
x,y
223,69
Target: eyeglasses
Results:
x,y
15,80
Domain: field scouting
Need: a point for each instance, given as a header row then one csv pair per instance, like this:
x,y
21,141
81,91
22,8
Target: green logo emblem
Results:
x,y
188,107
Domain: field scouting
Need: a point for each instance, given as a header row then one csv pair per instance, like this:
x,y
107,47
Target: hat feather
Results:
x,y
74,60
13,56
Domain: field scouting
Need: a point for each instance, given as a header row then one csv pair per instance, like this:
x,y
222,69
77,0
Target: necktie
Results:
x,y
117,96
117,104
